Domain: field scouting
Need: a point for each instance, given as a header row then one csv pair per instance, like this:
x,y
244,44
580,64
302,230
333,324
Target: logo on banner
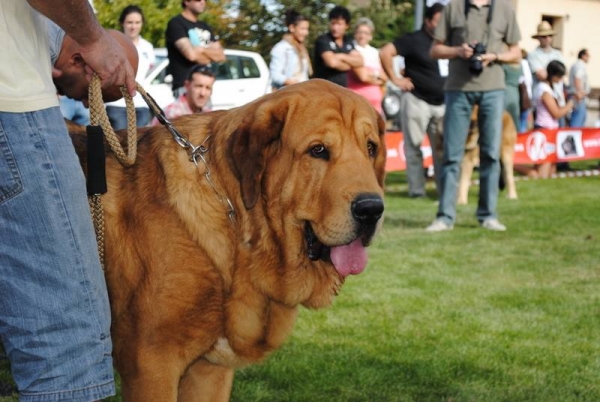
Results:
x,y
569,144
538,148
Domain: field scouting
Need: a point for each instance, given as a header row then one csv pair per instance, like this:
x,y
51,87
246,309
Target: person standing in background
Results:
x,y
484,26
190,42
54,308
579,89
335,54
539,58
132,22
512,74
527,80
289,58
548,113
368,80
422,99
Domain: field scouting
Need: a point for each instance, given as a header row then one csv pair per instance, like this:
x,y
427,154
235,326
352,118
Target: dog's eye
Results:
x,y
372,149
319,151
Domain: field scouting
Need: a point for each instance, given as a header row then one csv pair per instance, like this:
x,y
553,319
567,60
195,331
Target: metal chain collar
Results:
x,y
195,153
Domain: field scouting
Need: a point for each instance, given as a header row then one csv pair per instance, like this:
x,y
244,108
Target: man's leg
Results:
x,y
414,123
490,137
579,115
54,312
456,126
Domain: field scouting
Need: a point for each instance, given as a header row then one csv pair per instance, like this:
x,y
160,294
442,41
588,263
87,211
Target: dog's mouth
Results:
x,y
348,259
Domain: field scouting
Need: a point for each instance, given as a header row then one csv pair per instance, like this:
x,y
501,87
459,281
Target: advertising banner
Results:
x,y
532,147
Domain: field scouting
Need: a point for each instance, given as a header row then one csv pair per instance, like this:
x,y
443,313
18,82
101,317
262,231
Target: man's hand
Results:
x,y
464,51
404,84
106,58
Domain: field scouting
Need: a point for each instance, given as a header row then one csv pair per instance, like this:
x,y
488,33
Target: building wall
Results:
x,y
577,23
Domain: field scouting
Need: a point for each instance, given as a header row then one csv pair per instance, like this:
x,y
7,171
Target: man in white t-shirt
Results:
x,y
54,310
579,88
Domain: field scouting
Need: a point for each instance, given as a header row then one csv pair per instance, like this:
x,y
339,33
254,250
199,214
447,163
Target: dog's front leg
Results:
x,y
466,170
155,385
206,382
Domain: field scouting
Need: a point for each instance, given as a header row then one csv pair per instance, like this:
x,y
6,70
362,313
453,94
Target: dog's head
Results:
x,y
313,156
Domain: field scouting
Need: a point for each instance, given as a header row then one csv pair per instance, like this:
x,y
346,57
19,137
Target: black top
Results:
x,y
325,43
199,33
420,67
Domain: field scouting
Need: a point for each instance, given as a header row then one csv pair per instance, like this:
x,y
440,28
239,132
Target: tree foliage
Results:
x,y
258,25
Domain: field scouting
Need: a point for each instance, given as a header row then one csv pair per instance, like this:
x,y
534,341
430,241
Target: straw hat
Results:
x,y
544,29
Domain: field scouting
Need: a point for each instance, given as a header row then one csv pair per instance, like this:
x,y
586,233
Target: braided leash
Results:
x,y
99,118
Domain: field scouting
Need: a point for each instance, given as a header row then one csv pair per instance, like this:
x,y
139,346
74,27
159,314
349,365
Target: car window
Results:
x,y
236,67
249,68
158,63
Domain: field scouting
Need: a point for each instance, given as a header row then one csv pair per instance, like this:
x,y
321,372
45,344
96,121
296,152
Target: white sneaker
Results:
x,y
438,225
493,224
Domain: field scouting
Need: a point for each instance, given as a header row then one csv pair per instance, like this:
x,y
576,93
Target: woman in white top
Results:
x,y
289,58
132,21
547,109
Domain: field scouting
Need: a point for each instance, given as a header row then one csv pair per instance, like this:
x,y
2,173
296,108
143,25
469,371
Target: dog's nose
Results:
x,y
367,208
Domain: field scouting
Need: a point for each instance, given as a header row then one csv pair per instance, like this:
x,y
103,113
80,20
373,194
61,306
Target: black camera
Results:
x,y
475,62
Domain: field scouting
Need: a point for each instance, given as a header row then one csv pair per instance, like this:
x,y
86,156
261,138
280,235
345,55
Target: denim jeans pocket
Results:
x,y
10,178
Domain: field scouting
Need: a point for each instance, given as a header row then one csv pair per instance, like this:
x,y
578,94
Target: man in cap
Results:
x,y
542,55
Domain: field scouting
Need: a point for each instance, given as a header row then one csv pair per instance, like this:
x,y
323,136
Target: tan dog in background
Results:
x,y
471,157
194,295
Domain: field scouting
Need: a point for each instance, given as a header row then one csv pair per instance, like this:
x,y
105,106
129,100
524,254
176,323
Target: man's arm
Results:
x,y
387,54
335,61
342,61
354,58
101,52
538,70
512,55
201,55
439,50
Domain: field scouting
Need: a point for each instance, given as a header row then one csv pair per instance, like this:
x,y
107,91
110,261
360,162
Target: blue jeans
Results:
x,y
524,120
579,115
456,127
54,311
118,117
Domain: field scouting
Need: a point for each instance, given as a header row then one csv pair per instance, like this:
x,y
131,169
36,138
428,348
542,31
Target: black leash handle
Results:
x,y
96,161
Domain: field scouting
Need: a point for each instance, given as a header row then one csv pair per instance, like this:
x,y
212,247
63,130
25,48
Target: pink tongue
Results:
x,y
350,259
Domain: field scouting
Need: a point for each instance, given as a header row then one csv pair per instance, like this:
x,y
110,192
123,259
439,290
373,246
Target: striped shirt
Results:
x,y
543,118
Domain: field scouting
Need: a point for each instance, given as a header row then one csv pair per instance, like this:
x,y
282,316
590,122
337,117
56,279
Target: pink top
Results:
x,y
371,92
543,118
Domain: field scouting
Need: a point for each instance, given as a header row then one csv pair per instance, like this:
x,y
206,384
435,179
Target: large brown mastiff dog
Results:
x,y
194,294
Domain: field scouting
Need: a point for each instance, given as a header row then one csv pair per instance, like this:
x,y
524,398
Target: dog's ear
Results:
x,y
381,152
248,145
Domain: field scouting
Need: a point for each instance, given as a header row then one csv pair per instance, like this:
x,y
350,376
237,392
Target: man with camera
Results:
x,y
471,34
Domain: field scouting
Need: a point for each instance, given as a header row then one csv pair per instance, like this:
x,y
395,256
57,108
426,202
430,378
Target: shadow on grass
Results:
x,y
349,374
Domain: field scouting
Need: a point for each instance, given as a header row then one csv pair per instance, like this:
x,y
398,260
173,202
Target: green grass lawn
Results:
x,y
466,315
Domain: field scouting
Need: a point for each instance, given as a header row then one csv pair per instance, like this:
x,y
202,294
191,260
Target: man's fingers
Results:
x,y
130,83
